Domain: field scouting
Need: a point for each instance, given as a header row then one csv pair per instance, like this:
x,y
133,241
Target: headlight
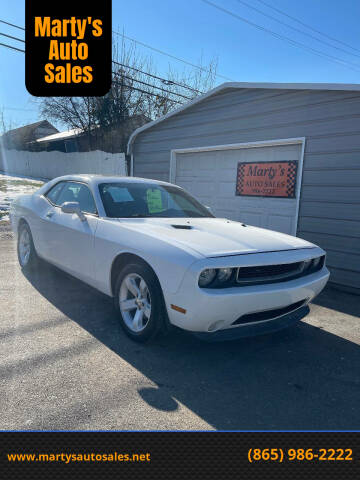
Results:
x,y
224,274
316,262
206,277
308,264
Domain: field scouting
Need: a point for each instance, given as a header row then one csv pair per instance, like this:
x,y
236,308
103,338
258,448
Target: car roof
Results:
x,y
95,179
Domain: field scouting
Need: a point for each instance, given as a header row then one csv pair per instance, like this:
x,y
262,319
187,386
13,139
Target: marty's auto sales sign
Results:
x,y
267,179
68,47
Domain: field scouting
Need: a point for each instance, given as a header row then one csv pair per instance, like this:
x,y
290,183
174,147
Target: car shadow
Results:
x,y
335,298
300,378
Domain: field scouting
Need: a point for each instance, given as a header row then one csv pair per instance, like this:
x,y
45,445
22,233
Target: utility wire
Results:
x,y
283,37
126,76
12,25
13,38
150,85
296,29
13,48
169,55
163,80
307,26
144,91
147,46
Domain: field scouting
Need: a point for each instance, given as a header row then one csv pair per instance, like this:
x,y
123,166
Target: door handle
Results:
x,y
49,214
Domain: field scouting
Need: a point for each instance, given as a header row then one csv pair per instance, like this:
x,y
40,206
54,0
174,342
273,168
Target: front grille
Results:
x,y
248,273
265,274
268,314
276,273
269,273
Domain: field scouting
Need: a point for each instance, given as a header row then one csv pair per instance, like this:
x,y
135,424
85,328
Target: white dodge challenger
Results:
x,y
165,259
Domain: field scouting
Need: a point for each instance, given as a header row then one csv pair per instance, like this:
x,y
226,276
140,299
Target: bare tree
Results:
x,y
136,89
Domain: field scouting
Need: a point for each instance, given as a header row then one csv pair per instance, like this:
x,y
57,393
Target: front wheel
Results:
x,y
138,300
25,248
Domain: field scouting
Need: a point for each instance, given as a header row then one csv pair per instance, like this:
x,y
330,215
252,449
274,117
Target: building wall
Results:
x,y
330,120
43,131
19,138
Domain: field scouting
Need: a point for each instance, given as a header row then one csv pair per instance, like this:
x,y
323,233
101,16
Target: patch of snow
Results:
x,y
60,135
10,188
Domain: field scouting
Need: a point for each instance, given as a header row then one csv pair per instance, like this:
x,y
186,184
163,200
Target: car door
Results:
x,y
70,239
42,225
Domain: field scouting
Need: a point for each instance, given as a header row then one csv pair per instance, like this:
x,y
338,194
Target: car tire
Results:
x,y
26,252
143,317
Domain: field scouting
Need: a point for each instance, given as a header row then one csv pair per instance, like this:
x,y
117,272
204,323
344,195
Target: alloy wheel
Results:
x,y
24,247
135,302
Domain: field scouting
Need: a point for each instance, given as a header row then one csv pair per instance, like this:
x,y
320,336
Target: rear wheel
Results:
x,y
25,248
139,302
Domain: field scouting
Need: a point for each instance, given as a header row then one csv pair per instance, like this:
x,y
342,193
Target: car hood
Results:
x,y
215,237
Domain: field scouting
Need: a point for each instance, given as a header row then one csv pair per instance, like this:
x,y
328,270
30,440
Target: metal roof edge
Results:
x,y
224,86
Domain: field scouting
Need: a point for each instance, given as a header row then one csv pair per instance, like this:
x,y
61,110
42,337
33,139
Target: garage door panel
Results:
x,y
205,188
227,204
207,201
280,223
227,175
202,164
227,164
223,213
254,154
280,206
226,189
187,185
253,218
211,177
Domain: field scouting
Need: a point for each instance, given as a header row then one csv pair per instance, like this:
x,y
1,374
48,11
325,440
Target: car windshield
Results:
x,y
142,200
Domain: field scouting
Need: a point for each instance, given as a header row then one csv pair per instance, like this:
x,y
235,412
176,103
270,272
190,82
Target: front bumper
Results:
x,y
211,310
254,329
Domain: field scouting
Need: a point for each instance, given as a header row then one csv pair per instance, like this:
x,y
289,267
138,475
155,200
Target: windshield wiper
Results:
x,y
138,215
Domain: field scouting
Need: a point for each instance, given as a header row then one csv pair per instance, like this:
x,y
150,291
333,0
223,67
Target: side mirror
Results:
x,y
73,207
208,208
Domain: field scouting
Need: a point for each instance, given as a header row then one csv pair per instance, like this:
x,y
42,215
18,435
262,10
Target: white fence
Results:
x,y
49,165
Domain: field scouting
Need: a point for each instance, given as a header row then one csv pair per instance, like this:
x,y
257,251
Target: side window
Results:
x,y
86,200
78,192
54,192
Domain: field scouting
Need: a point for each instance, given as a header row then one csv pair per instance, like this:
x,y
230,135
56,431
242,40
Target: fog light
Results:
x,y
224,274
206,277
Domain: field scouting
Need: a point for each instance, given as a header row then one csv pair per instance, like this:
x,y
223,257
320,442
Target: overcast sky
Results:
x,y
191,28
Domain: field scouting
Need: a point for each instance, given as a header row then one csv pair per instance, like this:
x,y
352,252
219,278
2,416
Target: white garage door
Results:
x,y
211,176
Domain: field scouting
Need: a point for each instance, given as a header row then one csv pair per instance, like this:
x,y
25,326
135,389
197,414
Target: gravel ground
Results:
x,y
66,364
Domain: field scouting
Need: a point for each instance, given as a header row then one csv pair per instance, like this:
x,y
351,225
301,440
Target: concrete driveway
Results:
x,y
66,364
